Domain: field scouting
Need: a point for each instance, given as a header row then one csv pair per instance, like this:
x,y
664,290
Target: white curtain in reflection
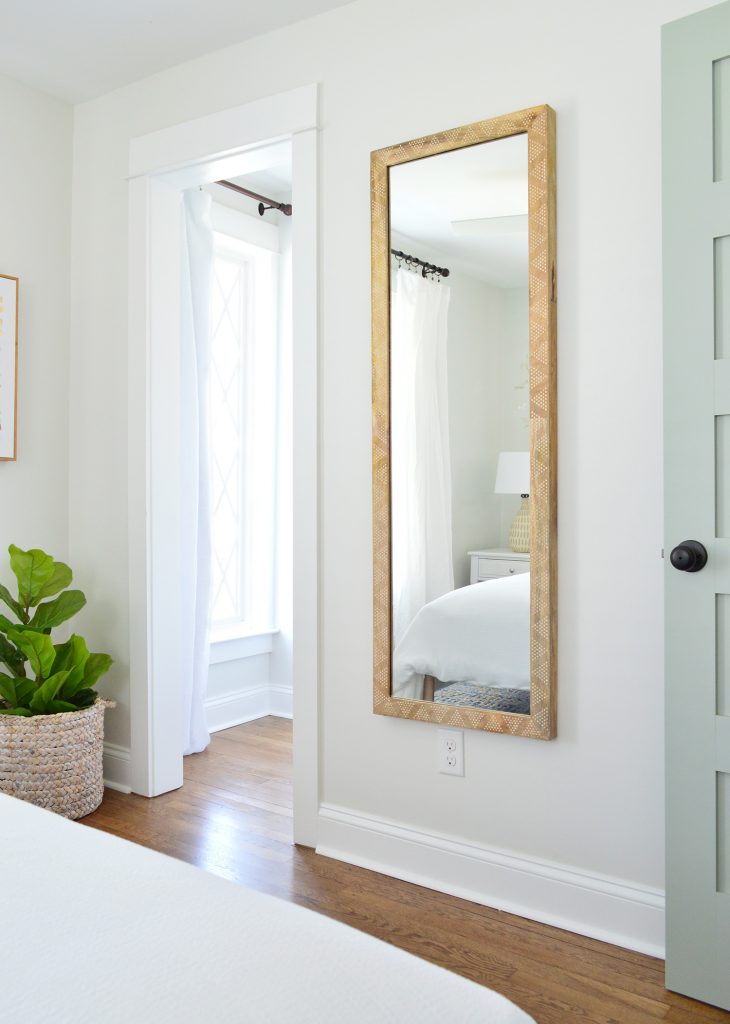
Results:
x,y
423,567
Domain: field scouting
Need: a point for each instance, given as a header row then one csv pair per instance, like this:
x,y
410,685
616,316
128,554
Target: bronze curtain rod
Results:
x,y
264,202
413,261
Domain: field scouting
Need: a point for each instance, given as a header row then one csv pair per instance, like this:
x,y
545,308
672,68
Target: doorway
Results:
x,y
230,144
249,442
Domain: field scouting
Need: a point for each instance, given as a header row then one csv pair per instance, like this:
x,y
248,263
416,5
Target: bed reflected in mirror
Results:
x,y
460,463
464,414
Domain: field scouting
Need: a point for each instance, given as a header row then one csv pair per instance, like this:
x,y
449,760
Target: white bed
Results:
x,y
478,634
97,930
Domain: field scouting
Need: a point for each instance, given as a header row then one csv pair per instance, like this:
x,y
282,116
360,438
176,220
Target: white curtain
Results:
x,y
197,270
423,567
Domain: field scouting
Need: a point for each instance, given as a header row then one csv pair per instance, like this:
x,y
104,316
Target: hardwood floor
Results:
x,y
233,817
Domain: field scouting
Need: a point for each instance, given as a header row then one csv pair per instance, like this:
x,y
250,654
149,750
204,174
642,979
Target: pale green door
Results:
x,y
696,204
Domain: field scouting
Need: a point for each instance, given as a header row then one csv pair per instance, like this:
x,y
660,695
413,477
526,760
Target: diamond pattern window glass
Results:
x,y
229,324
243,403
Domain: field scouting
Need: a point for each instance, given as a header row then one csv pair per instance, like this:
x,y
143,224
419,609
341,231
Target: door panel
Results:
x,y
722,647
723,833
721,116
696,198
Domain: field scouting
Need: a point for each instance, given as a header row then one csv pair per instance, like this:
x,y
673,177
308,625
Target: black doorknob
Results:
x,y
689,556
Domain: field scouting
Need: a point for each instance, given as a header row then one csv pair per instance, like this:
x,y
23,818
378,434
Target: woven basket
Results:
x,y
55,761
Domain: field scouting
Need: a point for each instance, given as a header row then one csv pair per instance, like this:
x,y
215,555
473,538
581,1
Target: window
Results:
x,y
242,404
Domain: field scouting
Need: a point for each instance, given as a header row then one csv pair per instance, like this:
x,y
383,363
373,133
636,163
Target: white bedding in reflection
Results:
x,y
478,634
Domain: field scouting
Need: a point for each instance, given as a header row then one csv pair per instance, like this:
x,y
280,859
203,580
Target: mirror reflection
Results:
x,y
460,438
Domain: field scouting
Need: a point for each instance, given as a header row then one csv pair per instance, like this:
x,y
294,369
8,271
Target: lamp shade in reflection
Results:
x,y
513,473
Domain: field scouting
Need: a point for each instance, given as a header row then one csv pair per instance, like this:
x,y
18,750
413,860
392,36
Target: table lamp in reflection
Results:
x,y
513,477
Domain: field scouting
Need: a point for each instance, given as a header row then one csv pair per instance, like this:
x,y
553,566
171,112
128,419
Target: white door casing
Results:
x,y
161,165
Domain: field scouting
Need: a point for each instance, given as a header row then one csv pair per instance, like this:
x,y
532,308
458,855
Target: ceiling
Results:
x,y
467,209
80,49
274,181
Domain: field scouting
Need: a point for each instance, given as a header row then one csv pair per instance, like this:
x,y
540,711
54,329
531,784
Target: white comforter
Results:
x,y
97,930
477,634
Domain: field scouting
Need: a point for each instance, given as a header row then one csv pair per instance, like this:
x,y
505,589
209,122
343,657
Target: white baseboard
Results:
x,y
221,713
600,907
281,702
116,767
246,705
236,708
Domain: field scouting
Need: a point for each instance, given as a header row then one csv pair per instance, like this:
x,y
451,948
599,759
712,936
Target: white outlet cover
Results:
x,y
450,751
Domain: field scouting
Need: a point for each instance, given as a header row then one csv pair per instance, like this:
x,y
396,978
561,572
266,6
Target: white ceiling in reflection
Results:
x,y
467,209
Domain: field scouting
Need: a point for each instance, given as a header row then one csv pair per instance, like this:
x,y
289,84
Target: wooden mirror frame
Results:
x,y
539,125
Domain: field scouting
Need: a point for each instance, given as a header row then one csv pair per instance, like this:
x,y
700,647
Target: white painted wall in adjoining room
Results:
x,y
476,335
35,241
487,365
514,391
244,688
582,814
487,345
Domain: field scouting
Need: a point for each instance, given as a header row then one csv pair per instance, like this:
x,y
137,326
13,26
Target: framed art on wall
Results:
x,y
8,367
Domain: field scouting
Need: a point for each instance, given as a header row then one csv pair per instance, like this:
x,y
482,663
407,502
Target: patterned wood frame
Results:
x,y
539,124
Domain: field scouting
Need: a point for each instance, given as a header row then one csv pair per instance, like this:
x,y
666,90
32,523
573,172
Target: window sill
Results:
x,y
230,643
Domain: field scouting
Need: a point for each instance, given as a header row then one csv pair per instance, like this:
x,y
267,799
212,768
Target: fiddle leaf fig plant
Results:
x,y
63,674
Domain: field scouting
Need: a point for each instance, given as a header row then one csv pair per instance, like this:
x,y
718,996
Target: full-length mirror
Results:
x,y
464,426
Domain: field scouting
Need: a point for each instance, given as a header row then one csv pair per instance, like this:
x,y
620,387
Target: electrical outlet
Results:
x,y
451,751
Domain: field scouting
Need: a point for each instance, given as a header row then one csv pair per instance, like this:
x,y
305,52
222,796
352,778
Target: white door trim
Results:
x,y
161,165
222,136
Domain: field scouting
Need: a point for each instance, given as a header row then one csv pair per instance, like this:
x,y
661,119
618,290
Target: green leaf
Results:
x,y
11,657
33,570
72,654
24,689
6,624
56,707
60,579
14,605
17,692
21,712
53,613
72,657
8,691
46,693
82,698
37,648
74,682
96,666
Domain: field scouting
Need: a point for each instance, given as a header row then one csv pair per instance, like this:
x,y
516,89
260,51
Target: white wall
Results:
x,y
35,240
592,799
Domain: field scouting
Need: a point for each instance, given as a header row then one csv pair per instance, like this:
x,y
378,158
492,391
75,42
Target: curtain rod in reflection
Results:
x,y
413,261
264,202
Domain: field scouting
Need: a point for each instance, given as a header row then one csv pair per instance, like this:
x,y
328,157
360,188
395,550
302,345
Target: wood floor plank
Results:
x,y
233,817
